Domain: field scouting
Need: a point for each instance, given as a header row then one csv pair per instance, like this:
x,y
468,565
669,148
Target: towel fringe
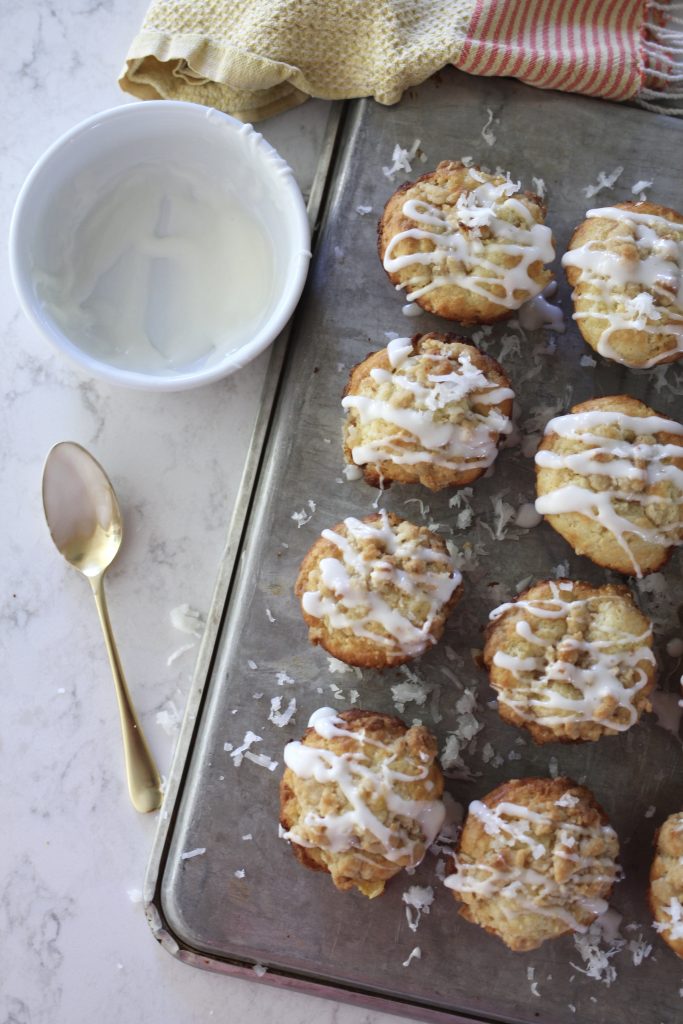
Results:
x,y
661,55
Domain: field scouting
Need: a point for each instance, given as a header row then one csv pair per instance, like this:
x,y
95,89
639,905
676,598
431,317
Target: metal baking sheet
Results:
x,y
293,921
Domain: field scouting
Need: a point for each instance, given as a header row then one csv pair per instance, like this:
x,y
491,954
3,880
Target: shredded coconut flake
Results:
x,y
363,210
418,900
259,970
188,620
189,854
240,873
179,651
415,954
302,517
401,160
487,134
262,760
238,753
408,693
169,718
539,185
270,616
279,717
604,181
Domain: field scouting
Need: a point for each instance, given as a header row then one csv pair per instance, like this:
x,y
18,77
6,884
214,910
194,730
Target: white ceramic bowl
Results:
x,y
67,184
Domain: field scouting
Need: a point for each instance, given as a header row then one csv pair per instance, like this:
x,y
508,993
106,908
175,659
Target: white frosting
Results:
x,y
421,413
363,784
359,607
526,888
459,246
595,681
151,274
538,312
642,465
657,309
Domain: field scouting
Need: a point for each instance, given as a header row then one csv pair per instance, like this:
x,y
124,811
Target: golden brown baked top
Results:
x,y
666,883
609,478
625,263
361,796
536,858
571,661
465,244
375,592
429,410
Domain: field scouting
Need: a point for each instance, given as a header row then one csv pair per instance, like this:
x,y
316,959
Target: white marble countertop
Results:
x,y
76,946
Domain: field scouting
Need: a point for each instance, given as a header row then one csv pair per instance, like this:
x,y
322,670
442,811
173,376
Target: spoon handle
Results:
x,y
144,784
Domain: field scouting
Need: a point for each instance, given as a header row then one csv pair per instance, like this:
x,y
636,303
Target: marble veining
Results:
x,y
75,943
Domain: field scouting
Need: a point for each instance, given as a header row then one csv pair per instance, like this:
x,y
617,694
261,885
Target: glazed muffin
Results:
x,y
361,797
430,410
466,245
536,859
625,264
570,661
376,592
609,479
666,883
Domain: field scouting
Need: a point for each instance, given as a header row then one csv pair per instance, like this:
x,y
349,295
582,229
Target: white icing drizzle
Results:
x,y
355,580
657,308
460,245
527,889
597,683
363,784
421,412
641,465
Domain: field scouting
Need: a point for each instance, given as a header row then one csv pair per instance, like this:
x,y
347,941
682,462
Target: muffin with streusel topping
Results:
x,y
536,858
430,410
666,883
625,264
360,797
376,592
466,245
571,661
609,479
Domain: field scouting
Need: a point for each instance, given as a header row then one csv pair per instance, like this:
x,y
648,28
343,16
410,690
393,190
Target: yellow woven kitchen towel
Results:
x,y
254,58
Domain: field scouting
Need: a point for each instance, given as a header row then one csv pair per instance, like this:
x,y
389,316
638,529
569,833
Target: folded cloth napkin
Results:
x,y
254,58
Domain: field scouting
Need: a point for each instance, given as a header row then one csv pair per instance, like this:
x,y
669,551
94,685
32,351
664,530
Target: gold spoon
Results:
x,y
85,523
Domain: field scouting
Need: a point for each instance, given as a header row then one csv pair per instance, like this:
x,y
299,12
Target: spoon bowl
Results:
x,y
86,525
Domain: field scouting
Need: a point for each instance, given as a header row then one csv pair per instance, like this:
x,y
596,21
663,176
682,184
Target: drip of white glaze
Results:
x,y
363,783
657,270
642,464
417,411
538,312
355,580
460,245
528,889
597,681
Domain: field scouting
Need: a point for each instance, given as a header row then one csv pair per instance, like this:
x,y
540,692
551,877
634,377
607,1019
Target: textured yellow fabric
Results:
x,y
254,58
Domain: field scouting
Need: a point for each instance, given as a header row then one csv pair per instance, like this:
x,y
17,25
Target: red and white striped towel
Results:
x,y
617,49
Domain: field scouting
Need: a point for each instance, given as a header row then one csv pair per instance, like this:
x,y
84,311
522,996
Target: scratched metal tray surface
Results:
x,y
246,900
